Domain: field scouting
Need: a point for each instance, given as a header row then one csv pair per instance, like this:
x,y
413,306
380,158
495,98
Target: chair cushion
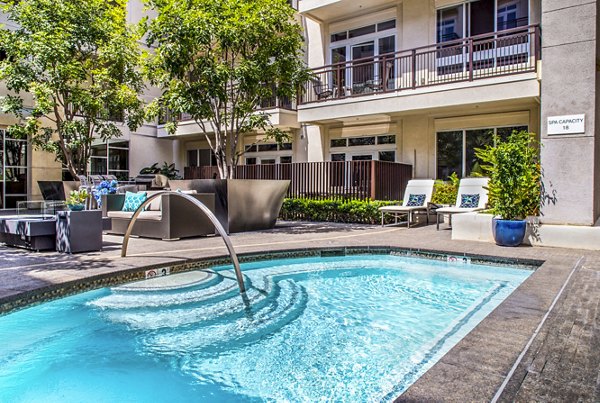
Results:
x,y
144,215
415,200
469,200
133,201
156,204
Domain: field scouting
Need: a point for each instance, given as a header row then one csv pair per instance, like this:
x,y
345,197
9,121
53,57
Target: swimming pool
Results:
x,y
349,328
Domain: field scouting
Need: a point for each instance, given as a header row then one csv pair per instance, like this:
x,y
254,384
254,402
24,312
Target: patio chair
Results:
x,y
416,198
322,91
472,196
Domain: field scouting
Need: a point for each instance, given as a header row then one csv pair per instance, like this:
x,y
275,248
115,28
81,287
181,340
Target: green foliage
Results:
x,y
78,60
334,210
166,169
444,192
218,60
515,175
152,169
77,197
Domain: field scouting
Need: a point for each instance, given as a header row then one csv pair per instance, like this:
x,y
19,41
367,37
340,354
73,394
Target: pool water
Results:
x,y
356,328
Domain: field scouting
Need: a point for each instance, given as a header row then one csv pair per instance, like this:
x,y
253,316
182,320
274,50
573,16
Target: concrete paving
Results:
x,y
558,305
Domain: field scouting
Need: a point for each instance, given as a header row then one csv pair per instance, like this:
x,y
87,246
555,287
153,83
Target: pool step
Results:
x,y
225,288
286,303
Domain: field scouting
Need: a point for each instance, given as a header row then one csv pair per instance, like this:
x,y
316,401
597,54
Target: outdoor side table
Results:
x,y
79,231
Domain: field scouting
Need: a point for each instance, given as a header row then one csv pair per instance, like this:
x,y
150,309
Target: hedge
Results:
x,y
344,211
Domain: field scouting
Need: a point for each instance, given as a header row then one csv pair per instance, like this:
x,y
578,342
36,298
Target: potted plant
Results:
x,y
76,200
515,184
104,188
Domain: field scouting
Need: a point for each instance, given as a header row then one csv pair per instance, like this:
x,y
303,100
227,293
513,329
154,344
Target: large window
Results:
x,y
13,170
480,17
111,159
268,153
455,149
364,148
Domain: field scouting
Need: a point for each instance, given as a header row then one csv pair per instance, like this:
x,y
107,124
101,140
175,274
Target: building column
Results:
x,y
570,88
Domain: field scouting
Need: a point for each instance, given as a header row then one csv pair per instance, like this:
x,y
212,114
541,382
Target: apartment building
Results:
x,y
421,82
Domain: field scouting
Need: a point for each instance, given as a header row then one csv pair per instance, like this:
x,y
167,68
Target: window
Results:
x,y
111,159
268,153
381,147
480,17
339,142
389,156
267,147
456,149
13,170
387,139
201,158
361,141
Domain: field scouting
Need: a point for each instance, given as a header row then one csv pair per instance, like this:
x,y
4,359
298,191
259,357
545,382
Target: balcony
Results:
x,y
375,180
282,113
503,53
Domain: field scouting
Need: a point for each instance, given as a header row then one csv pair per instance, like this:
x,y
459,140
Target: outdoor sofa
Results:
x,y
167,217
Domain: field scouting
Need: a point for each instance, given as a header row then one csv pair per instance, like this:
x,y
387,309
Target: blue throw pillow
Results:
x,y
469,201
133,201
415,200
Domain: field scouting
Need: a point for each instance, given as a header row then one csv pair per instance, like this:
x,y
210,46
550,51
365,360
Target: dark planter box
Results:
x,y
241,204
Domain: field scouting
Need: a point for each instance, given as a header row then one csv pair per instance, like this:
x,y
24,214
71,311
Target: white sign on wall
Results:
x,y
567,124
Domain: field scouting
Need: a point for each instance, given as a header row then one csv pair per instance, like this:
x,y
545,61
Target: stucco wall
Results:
x,y
570,162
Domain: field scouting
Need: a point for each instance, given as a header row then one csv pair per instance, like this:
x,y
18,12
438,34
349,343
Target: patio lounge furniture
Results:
x,y
472,196
168,217
322,91
416,198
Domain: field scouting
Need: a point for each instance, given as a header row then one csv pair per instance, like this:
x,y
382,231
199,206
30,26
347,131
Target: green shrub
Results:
x,y
331,210
444,192
515,176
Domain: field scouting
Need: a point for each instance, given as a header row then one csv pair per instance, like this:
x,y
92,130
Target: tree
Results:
x,y
78,60
217,60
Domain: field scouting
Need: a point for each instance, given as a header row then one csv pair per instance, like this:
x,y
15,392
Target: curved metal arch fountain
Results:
x,y
207,212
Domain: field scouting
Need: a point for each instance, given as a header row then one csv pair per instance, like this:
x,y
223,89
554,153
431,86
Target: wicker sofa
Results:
x,y
167,217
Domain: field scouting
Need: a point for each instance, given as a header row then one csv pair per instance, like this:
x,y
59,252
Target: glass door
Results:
x,y
338,71
363,66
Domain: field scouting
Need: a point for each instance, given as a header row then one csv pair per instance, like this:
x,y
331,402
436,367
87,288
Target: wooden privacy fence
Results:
x,y
375,180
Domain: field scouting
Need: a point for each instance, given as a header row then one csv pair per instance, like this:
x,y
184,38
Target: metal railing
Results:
x,y
375,180
511,51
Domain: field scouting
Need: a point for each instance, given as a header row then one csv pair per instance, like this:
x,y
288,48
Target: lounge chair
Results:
x,y
416,198
472,196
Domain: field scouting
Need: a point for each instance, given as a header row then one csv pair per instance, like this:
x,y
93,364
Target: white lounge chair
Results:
x,y
471,196
416,197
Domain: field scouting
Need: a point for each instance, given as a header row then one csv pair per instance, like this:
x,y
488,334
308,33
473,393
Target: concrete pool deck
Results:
x,y
500,358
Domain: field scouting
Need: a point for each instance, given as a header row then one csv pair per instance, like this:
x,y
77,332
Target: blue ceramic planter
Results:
x,y
76,207
508,232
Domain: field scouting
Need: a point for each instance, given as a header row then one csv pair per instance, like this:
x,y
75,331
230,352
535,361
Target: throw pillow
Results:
x,y
133,201
469,201
415,200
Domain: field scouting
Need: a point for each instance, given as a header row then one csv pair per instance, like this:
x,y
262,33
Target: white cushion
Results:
x,y
156,204
144,215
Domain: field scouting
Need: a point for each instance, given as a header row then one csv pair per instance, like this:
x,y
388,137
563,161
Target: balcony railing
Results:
x,y
376,180
500,53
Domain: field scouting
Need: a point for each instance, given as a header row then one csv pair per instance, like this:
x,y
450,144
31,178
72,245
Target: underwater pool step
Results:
x,y
224,289
287,303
